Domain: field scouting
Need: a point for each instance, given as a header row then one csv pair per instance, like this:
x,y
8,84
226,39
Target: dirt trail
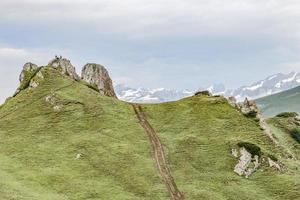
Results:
x,y
159,155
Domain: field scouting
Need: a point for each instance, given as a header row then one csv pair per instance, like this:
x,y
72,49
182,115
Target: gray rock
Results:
x,y
28,68
247,107
246,165
97,75
274,164
65,66
232,101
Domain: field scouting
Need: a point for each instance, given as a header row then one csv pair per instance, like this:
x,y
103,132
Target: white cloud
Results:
x,y
144,18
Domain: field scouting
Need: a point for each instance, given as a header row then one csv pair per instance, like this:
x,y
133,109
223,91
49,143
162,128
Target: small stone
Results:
x,y
234,152
78,156
274,164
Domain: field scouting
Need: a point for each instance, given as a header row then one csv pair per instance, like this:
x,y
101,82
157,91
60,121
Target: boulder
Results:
x,y
247,163
65,66
97,76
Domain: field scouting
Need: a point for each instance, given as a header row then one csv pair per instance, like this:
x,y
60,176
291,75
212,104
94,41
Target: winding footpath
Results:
x,y
159,155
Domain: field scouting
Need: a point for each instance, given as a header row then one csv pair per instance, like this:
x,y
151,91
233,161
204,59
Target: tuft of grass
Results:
x,y
287,114
295,134
205,92
251,114
251,148
274,158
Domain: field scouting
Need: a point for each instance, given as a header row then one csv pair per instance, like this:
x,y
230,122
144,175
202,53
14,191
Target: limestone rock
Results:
x,y
234,153
246,165
249,108
232,101
97,75
65,66
274,164
28,68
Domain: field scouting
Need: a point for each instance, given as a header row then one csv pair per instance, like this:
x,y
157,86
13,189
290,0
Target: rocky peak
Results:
x,y
28,68
96,75
65,66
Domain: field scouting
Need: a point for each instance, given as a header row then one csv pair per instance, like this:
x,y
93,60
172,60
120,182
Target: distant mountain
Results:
x,y
144,95
271,85
287,101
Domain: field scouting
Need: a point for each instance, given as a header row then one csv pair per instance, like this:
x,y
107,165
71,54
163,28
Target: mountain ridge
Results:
x,y
271,85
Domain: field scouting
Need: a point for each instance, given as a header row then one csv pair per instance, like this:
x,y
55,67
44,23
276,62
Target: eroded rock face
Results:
x,y
65,66
247,164
248,107
97,75
28,69
232,101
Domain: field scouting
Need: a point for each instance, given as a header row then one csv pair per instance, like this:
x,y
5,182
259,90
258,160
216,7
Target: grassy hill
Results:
x,y
287,101
63,140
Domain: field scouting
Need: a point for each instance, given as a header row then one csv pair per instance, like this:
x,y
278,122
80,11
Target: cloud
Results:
x,y
161,18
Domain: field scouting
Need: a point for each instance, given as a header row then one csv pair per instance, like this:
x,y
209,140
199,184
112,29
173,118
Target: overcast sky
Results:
x,y
184,44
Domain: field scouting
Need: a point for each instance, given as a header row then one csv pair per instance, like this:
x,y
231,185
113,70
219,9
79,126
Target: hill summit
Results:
x,y
95,75
65,136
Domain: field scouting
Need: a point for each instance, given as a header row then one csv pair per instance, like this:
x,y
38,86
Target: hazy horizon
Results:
x,y
172,44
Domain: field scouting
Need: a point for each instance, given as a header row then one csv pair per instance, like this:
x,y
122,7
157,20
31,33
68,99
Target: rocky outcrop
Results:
x,y
97,76
27,75
273,164
28,69
248,108
232,101
65,66
247,163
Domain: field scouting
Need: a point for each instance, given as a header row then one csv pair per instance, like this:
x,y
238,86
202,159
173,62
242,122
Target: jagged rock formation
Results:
x,y
248,108
97,76
27,75
28,68
247,164
65,66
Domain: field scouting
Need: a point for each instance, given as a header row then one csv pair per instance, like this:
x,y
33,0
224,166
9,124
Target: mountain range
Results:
x,y
268,86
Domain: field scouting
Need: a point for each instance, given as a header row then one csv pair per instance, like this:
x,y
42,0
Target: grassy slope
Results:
x,y
280,127
38,147
287,101
199,133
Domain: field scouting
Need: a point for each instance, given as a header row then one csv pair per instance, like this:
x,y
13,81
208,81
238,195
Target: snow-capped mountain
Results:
x,y
271,85
144,95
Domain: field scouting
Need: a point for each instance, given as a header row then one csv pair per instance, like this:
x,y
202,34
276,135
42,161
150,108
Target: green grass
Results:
x,y
39,145
198,133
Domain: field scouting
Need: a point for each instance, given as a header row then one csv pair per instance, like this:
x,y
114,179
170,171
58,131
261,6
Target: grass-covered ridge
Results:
x,y
63,140
287,101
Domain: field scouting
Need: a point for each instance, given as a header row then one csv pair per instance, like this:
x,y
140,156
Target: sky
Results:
x,y
179,44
